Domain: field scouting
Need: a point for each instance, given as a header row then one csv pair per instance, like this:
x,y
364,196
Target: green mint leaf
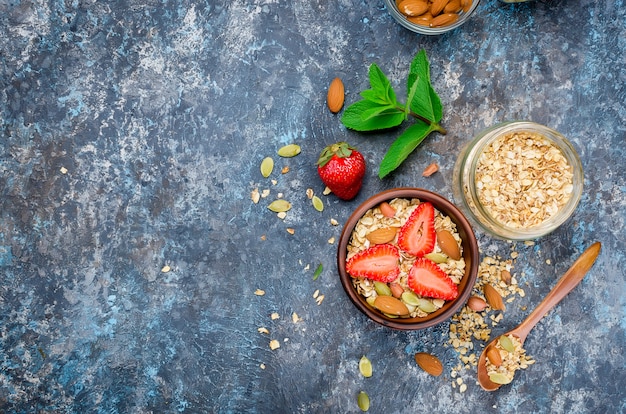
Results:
x,y
375,96
403,146
382,86
353,116
419,81
318,272
436,104
375,111
409,98
425,100
378,80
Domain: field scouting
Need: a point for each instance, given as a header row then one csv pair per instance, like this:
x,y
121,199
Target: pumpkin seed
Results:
x,y
382,289
365,366
506,343
410,298
289,151
426,305
363,401
370,300
267,166
279,206
317,203
499,378
437,257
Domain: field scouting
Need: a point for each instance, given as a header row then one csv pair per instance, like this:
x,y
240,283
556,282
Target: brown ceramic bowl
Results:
x,y
470,254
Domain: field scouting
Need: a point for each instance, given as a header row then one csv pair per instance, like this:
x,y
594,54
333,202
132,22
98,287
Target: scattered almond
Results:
x,y
494,299
382,235
448,244
429,363
476,304
430,170
336,95
505,275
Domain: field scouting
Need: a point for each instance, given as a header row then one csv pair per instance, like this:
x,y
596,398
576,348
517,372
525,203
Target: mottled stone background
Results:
x,y
131,137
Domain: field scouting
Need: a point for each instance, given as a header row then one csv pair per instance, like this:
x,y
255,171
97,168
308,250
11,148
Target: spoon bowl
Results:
x,y
566,284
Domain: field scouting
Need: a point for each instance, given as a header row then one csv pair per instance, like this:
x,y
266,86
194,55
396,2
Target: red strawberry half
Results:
x,y
379,262
341,168
418,235
428,280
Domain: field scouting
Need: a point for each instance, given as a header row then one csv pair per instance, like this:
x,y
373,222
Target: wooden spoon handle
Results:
x,y
565,285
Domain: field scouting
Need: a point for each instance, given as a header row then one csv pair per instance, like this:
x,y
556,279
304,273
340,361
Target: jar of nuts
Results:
x,y
431,17
518,180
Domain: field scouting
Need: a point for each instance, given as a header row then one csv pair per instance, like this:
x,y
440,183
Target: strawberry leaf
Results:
x,y
403,146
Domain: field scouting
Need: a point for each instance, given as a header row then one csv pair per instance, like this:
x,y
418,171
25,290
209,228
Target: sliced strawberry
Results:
x,y
379,262
418,235
428,280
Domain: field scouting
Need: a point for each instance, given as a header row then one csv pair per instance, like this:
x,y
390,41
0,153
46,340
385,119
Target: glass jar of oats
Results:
x,y
518,180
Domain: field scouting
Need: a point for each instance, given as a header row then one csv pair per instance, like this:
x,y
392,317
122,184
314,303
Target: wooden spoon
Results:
x,y
568,281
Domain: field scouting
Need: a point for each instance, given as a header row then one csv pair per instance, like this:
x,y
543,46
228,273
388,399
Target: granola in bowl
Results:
x,y
371,223
407,258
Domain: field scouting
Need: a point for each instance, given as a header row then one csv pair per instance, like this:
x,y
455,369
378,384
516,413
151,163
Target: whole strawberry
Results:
x,y
341,167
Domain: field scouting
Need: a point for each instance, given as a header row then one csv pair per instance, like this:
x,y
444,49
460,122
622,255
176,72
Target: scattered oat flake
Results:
x,y
331,240
166,269
319,299
274,315
63,170
263,237
262,366
285,169
259,292
334,222
430,170
326,191
309,193
463,387
274,182
263,330
274,344
295,318
291,230
281,215
265,193
255,195
316,293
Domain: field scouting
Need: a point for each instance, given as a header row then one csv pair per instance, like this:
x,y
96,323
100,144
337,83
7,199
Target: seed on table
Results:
x,y
365,367
318,204
279,206
267,165
289,151
364,401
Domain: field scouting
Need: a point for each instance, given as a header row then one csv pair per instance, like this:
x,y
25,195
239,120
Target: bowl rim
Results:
x,y
470,254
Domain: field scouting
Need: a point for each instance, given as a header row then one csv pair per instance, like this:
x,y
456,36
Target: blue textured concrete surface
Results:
x,y
131,138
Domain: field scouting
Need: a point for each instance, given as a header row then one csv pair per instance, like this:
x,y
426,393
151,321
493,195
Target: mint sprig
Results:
x,y
379,109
